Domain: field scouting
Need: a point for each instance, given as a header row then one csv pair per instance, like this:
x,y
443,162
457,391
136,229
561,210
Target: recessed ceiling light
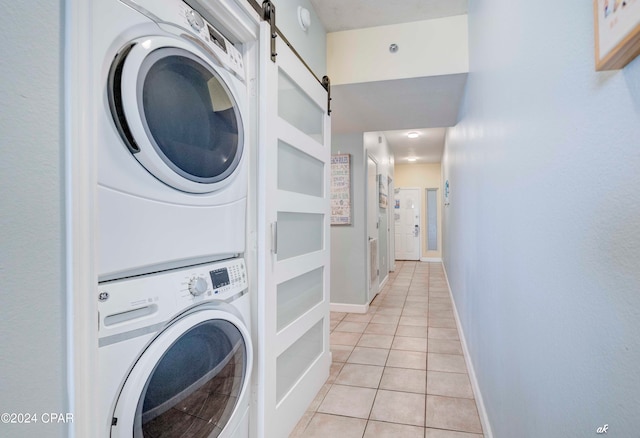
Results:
x,y
412,159
413,134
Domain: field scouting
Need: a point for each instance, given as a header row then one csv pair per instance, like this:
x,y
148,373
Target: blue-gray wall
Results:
x,y
32,318
349,277
542,237
348,247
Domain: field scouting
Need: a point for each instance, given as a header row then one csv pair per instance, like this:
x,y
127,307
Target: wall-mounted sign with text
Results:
x,y
341,189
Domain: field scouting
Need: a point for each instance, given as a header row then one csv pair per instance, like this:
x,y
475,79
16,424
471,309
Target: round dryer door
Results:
x,y
190,381
177,112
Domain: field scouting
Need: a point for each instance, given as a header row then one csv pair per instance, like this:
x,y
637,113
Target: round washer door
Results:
x,y
176,112
189,380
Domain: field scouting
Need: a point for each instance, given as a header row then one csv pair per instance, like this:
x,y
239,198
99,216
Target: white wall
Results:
x,y
542,237
32,316
426,48
312,44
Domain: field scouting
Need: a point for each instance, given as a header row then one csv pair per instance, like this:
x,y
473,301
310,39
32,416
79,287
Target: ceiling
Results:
x,y
426,148
337,15
401,104
395,107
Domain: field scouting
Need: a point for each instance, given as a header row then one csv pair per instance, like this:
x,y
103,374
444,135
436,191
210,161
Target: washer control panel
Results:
x,y
220,280
134,302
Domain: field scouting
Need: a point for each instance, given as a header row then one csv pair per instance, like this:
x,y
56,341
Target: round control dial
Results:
x,y
197,286
195,20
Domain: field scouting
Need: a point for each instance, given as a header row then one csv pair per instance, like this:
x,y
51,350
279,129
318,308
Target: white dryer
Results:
x,y
172,138
175,354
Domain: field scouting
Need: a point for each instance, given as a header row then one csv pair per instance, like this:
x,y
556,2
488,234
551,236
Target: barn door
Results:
x,y
294,206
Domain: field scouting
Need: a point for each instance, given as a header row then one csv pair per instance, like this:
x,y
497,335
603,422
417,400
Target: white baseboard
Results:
x,y
484,418
384,281
349,308
431,259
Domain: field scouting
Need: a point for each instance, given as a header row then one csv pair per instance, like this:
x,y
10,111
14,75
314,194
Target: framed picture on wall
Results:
x,y
341,189
382,191
617,32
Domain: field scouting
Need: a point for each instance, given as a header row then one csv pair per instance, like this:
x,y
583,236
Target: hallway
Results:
x,y
399,370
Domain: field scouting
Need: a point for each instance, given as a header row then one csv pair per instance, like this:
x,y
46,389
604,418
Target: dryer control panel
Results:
x,y
224,50
178,13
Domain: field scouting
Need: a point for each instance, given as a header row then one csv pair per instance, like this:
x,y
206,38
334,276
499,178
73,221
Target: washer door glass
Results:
x,y
194,388
190,115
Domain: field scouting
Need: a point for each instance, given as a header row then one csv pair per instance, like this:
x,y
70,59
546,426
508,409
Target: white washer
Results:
x,y
172,138
175,354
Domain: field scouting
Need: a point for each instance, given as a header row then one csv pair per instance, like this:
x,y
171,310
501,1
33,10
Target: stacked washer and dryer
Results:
x,y
175,353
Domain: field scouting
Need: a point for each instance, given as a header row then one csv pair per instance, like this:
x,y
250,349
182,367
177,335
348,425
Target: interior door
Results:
x,y
407,223
294,216
372,228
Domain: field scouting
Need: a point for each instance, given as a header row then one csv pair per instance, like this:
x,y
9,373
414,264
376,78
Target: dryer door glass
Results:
x,y
194,388
190,115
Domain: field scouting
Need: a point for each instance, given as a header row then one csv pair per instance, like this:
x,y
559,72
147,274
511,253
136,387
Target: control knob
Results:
x,y
195,20
197,286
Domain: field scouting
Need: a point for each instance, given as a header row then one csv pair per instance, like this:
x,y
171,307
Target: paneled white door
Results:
x,y
407,223
293,239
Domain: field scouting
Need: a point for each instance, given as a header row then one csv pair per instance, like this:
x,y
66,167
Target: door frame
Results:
x,y
80,219
391,226
372,289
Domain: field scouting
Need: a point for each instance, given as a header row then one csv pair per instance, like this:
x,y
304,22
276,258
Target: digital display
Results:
x,y
219,278
217,39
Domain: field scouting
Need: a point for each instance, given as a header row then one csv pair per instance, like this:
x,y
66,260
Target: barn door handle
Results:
x,y
274,237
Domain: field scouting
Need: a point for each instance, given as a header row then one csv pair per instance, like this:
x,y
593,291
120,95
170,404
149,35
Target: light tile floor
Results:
x,y
399,370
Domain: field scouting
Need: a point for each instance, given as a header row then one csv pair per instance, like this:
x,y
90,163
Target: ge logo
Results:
x,y
103,296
